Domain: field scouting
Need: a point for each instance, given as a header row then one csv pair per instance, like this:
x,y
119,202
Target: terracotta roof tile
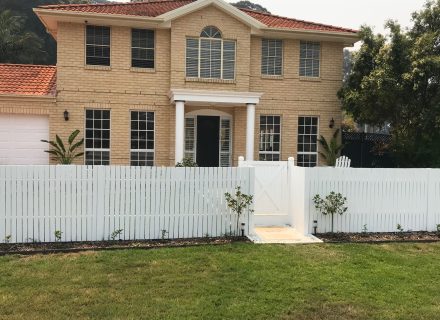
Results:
x,y
147,9
154,8
275,21
28,79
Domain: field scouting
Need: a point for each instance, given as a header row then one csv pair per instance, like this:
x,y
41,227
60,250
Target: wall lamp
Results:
x,y
66,115
242,228
332,123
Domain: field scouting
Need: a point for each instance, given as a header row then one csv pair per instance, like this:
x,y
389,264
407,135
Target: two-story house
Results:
x,y
150,83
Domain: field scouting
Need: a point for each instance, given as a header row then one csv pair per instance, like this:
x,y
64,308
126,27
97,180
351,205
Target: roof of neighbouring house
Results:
x,y
155,8
27,79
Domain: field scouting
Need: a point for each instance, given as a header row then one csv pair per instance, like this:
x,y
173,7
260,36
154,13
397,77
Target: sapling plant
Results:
x,y
400,229
8,238
333,203
239,203
58,234
364,229
116,234
163,234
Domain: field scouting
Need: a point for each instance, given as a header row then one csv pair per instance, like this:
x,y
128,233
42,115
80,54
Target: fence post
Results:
x,y
299,201
251,178
99,197
241,161
290,189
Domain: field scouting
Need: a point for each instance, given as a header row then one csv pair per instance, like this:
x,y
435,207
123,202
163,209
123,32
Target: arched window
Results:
x,y
210,56
211,32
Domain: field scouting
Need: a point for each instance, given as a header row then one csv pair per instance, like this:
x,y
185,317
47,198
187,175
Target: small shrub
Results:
x,y
163,234
186,162
238,203
364,229
8,238
58,234
438,228
116,234
331,205
400,230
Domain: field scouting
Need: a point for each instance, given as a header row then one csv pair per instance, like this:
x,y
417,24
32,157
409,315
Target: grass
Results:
x,y
236,281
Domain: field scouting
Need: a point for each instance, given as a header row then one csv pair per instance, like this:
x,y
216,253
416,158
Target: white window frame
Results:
x,y
282,58
154,138
85,136
306,59
317,143
259,138
222,41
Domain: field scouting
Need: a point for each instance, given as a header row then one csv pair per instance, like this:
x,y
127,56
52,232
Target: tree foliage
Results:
x,y
251,6
39,47
16,44
395,80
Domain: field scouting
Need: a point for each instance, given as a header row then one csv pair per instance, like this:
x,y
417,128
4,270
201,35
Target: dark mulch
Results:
x,y
53,247
380,237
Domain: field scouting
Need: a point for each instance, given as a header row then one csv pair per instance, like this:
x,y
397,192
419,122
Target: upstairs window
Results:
x,y
98,45
272,57
142,48
210,56
310,53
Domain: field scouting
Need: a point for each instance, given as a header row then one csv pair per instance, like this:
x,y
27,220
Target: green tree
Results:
x,y
251,6
395,80
16,44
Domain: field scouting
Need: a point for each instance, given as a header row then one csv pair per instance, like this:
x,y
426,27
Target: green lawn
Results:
x,y
237,281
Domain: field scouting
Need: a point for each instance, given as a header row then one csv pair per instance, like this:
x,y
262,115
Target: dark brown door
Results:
x,y
208,131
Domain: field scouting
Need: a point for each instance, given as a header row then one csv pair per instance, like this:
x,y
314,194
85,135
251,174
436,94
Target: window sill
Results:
x,y
97,67
269,77
210,80
312,79
143,70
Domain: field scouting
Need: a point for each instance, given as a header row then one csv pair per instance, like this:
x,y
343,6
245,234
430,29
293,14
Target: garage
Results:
x,y
20,137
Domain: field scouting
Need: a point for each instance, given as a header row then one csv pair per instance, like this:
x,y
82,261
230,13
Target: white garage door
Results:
x,y
20,137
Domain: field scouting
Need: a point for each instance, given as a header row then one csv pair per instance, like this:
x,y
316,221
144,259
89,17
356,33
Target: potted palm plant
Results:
x,y
330,149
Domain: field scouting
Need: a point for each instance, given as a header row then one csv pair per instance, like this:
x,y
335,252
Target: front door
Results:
x,y
208,131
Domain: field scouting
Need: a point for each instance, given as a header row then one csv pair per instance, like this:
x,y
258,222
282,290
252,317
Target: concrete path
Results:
x,y
286,235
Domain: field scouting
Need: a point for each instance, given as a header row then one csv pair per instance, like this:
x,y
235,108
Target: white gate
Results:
x,y
272,190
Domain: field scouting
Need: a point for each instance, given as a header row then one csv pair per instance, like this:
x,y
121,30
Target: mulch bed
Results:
x,y
380,237
55,247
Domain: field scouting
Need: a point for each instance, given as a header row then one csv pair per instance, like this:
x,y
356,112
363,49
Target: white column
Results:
x,y
180,131
250,132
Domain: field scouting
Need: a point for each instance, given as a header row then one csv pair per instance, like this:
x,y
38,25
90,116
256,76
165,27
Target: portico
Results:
x,y
183,97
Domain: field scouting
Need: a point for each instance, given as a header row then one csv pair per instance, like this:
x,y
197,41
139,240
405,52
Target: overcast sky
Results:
x,y
344,13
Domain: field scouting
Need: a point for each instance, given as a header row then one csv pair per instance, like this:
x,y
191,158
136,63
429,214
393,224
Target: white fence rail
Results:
x,y
90,203
377,199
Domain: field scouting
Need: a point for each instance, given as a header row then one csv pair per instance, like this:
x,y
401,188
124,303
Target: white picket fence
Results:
x,y
88,203
377,199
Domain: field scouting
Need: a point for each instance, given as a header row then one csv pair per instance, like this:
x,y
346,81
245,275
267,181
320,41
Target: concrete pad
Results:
x,y
281,235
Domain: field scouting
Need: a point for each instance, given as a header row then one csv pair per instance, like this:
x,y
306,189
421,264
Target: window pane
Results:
x,y
142,138
97,137
309,59
98,45
307,141
142,48
271,57
270,137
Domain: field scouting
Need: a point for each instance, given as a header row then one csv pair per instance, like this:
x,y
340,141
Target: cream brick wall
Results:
x,y
121,89
26,105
